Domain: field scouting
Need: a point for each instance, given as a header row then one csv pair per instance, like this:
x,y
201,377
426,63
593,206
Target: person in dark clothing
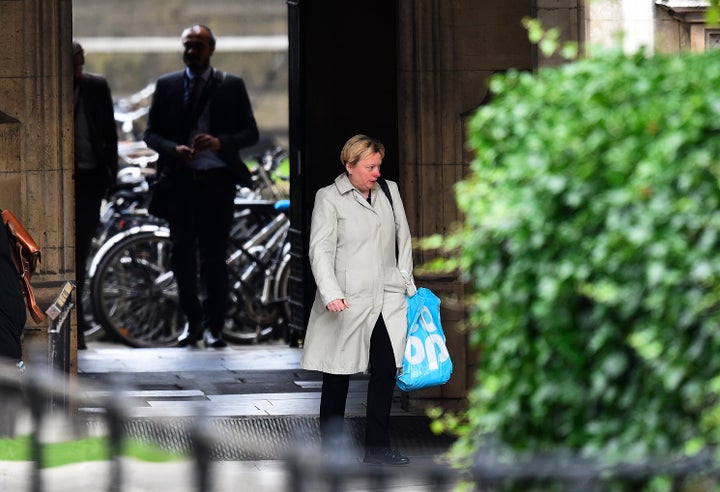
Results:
x,y
199,119
13,313
96,164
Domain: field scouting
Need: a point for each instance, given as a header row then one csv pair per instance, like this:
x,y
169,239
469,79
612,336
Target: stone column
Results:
x,y
36,145
446,53
568,17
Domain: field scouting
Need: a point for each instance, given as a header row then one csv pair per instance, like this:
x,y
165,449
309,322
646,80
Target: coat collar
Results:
x,y
343,185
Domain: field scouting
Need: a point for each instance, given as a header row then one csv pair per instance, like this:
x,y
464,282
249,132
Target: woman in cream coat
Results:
x,y
358,320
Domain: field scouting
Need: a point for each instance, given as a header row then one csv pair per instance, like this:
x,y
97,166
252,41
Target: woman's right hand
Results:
x,y
337,305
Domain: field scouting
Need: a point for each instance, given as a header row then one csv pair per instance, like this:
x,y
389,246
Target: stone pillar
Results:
x,y
568,17
603,22
446,53
36,146
628,23
638,25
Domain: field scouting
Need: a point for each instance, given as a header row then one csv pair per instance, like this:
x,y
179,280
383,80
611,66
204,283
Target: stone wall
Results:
x,y
35,138
447,52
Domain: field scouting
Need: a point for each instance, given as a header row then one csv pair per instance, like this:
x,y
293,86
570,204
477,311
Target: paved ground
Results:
x,y
256,380
262,406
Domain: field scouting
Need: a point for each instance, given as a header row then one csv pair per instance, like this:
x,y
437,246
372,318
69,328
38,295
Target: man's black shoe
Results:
x,y
188,337
385,456
212,341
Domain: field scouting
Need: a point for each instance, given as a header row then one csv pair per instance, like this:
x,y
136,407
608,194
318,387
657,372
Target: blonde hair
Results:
x,y
358,147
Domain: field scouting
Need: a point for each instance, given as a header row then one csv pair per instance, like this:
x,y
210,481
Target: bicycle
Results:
x,y
134,293
126,207
260,271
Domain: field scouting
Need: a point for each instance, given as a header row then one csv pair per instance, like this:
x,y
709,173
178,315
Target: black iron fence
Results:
x,y
32,411
44,405
497,469
92,410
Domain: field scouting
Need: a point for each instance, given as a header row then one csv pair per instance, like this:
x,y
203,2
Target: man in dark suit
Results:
x,y
199,119
96,163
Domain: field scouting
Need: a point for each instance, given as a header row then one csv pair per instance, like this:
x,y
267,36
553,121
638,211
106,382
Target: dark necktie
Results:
x,y
193,92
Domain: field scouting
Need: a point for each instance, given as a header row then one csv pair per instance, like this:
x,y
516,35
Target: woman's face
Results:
x,y
365,173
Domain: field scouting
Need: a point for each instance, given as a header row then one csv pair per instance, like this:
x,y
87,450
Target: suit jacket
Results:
x,y
100,113
230,119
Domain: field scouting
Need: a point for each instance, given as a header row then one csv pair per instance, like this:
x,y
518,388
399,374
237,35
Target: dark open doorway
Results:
x,y
343,81
338,73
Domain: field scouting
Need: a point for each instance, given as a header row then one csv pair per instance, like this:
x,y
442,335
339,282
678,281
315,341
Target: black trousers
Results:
x,y
381,386
199,230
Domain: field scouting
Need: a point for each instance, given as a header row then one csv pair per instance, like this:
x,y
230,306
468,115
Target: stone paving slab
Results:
x,y
106,357
256,397
256,380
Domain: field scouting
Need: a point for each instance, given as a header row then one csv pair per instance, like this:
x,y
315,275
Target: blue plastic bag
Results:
x,y
427,360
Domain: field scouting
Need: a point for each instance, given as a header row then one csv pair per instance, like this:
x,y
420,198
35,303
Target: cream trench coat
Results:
x,y
352,256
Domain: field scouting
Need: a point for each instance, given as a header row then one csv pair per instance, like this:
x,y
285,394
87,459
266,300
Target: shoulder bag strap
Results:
x,y
386,189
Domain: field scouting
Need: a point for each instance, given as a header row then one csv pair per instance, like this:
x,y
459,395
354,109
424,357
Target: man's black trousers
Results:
x,y
199,229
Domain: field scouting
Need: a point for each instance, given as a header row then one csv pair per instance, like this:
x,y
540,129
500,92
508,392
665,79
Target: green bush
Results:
x,y
592,240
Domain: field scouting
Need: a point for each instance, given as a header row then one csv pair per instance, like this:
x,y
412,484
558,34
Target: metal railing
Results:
x,y
44,392
341,470
99,410
306,467
497,468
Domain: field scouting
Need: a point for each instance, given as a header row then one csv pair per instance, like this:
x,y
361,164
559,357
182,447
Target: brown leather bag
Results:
x,y
26,255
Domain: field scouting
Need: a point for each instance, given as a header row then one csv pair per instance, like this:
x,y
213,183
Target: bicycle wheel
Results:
x,y
134,291
92,329
292,337
248,320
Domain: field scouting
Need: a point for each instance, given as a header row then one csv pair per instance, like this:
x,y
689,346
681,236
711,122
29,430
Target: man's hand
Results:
x,y
337,305
205,141
185,153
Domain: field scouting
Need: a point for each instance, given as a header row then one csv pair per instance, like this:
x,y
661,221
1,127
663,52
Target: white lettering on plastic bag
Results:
x,y
434,347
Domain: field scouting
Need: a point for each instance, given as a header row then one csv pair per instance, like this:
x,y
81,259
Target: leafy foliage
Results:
x,y
592,241
713,13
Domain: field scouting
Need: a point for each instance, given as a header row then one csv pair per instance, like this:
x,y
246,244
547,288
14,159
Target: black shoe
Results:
x,y
212,341
385,456
188,337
